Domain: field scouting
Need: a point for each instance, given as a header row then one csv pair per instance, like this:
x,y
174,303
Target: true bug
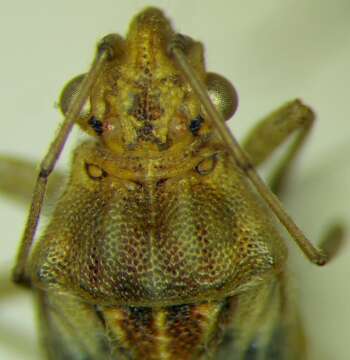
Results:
x,y
203,168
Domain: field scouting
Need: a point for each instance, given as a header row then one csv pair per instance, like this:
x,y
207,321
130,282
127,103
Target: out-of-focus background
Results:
x,y
271,50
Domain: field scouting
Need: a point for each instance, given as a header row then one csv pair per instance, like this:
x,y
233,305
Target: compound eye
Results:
x,y
68,95
222,94
95,172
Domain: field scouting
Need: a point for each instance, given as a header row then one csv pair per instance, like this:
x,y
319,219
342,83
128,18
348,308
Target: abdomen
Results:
x,y
258,324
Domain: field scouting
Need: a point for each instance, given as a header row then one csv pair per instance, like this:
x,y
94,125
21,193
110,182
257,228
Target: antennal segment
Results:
x,y
177,49
105,51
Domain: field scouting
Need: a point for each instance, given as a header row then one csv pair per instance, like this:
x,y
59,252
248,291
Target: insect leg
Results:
x,y
272,131
105,51
178,48
333,239
18,178
7,288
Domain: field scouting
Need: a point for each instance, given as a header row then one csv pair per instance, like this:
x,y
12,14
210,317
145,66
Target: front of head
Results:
x,y
141,101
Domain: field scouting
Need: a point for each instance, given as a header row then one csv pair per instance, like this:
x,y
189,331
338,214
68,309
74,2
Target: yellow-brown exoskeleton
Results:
x,y
164,244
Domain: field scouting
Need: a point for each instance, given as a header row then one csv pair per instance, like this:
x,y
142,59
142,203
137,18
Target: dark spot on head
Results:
x,y
145,132
196,124
161,182
147,129
96,124
145,106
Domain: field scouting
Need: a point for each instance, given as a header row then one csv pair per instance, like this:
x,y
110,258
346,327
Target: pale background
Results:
x,y
271,50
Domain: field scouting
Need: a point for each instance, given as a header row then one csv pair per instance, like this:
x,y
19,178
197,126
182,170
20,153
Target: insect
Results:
x,y
164,245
